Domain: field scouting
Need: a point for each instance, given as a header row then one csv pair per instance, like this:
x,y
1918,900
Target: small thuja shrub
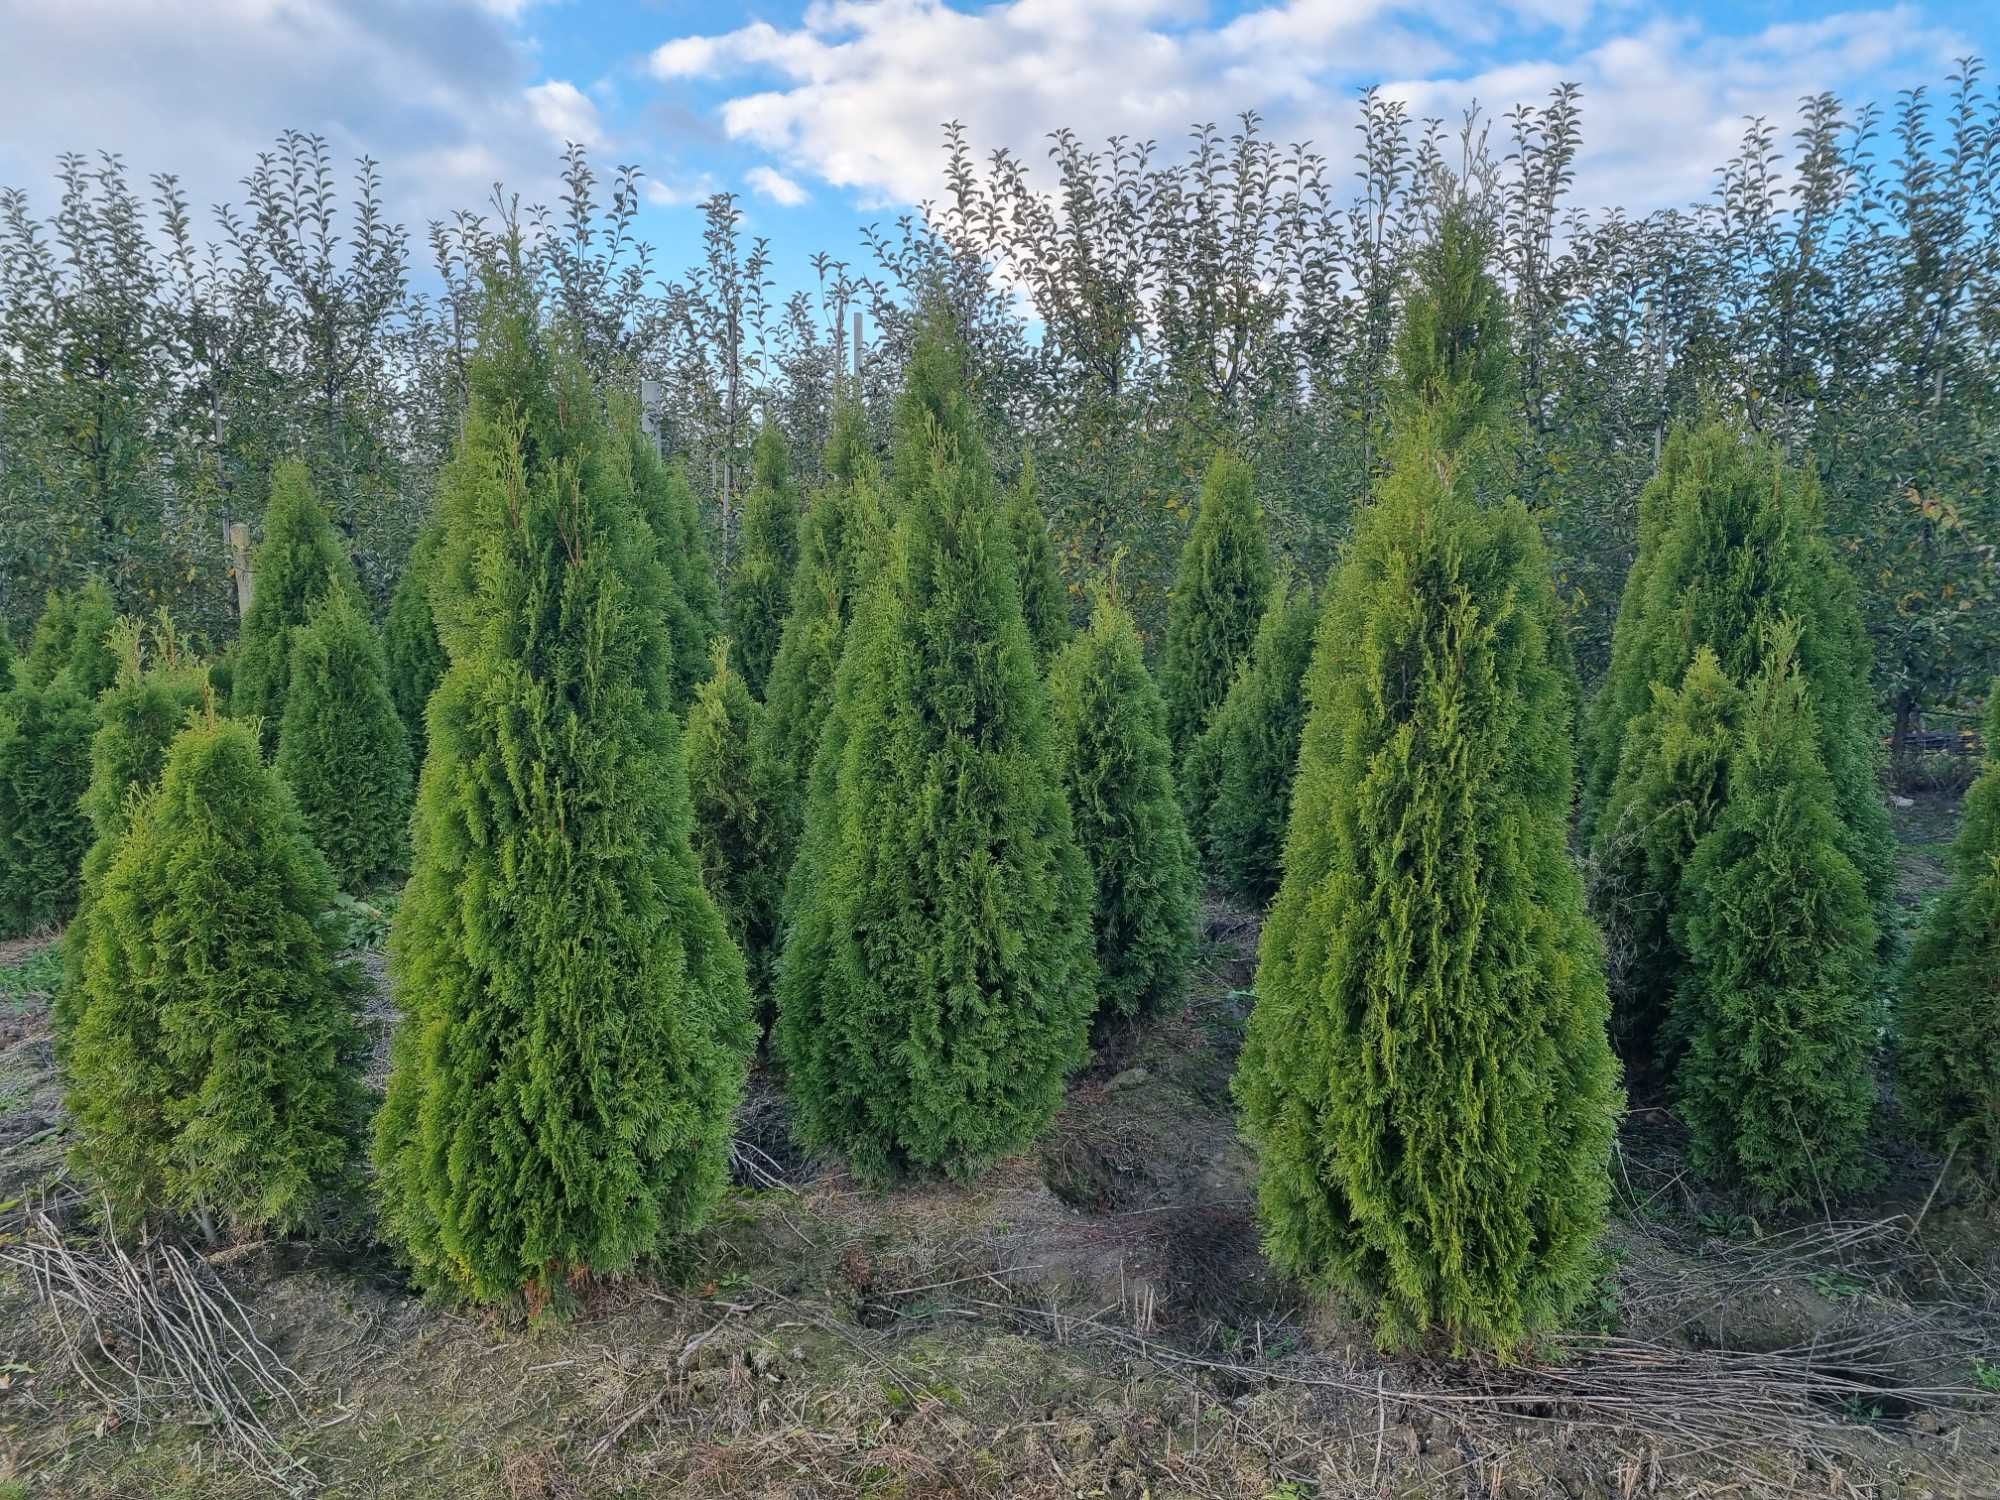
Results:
x,y
1426,1076
736,800
215,1060
343,749
411,651
159,686
693,605
72,641
1044,595
300,560
564,1078
1948,1014
760,584
1219,598
1111,752
937,981
1777,1002
1255,749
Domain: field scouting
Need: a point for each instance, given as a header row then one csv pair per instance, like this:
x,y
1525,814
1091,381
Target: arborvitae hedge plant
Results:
x,y
72,640
1255,749
1426,1075
1453,361
1044,595
299,561
45,734
1948,1016
342,748
693,604
761,582
1777,1002
1111,751
937,981
577,1027
215,1061
410,647
1219,599
159,686
1732,541
736,807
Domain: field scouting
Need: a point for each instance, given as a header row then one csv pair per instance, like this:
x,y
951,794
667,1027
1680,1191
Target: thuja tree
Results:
x,y
1044,595
1777,1002
410,648
159,686
1948,1013
343,749
1426,1075
215,1060
72,641
736,805
693,604
45,734
937,980
760,584
563,1082
1219,598
1732,541
299,561
1253,744
1111,752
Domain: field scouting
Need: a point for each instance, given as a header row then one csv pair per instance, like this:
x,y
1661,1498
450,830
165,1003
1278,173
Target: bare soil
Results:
x,y
1091,1319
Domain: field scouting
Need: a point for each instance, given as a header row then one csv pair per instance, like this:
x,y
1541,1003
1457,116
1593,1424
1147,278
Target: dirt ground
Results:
x,y
1093,1319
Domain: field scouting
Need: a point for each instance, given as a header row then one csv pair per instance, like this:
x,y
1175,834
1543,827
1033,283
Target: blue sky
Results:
x,y
826,116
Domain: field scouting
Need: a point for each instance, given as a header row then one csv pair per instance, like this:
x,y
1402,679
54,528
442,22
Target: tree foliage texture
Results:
x,y
1426,1075
411,651
342,748
694,605
937,981
1044,595
215,1061
761,583
736,807
1111,752
72,640
564,1079
45,734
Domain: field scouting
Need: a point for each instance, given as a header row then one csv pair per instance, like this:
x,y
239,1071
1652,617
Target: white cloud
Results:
x,y
857,93
566,112
776,186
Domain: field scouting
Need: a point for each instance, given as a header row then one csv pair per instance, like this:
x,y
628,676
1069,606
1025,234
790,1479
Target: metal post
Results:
x,y
239,565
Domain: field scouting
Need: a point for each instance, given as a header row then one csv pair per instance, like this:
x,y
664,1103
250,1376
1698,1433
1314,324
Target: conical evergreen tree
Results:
x,y
215,1063
1219,598
1044,595
577,1026
300,560
7,658
736,805
937,982
159,687
1777,1003
1255,749
341,747
1453,359
45,734
1948,1021
760,585
693,604
410,647
1110,736
1731,542
1426,1075
71,641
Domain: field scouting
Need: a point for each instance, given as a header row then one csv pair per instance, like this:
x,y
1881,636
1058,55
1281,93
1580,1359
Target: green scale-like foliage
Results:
x,y
760,585
1777,1002
215,1061
159,686
576,1026
72,640
693,604
1253,745
343,749
1111,750
736,805
1948,1021
410,647
1426,1075
937,981
1044,595
300,560
1731,542
1219,600
1453,360
45,734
